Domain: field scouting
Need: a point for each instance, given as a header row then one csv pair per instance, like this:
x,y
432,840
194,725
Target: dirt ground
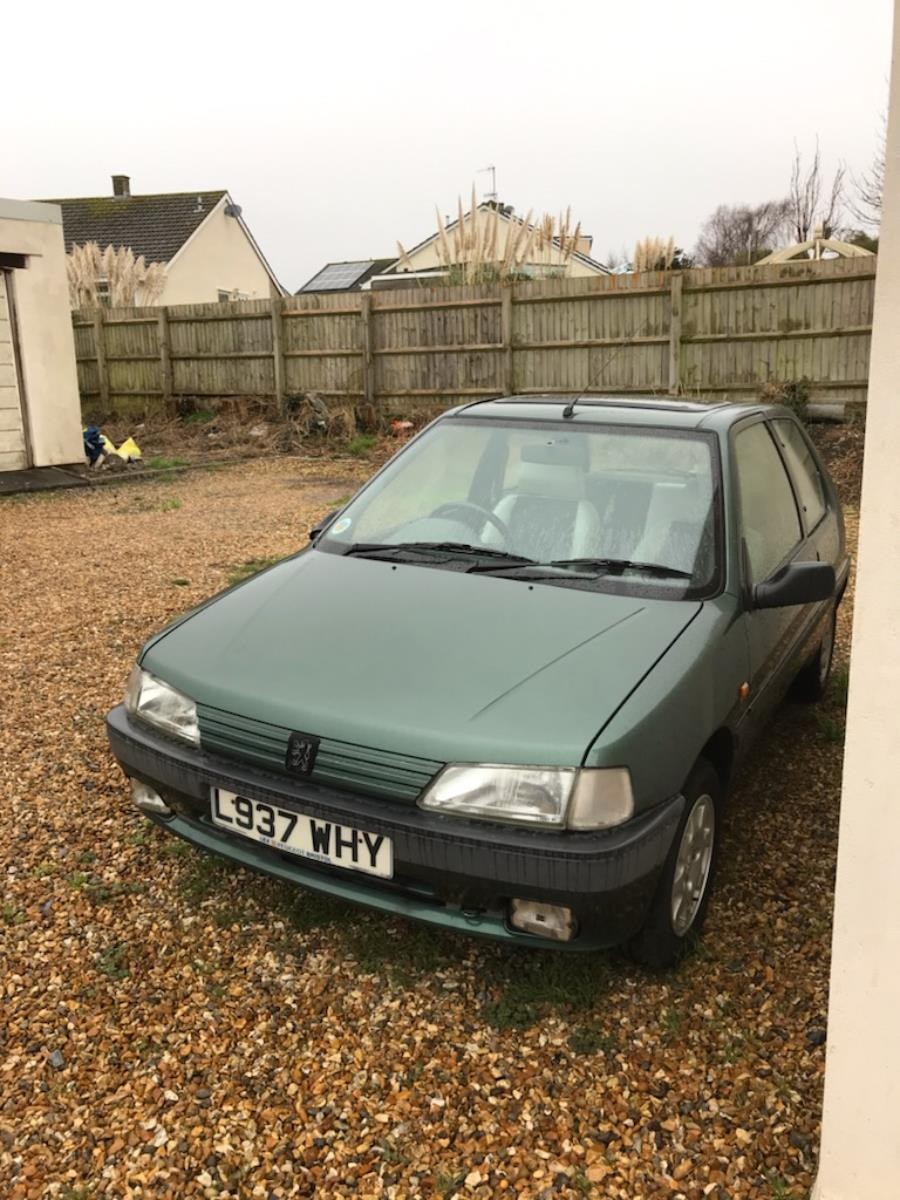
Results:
x,y
171,1028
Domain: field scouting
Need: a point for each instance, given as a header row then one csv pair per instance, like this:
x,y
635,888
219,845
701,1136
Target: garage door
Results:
x,y
13,455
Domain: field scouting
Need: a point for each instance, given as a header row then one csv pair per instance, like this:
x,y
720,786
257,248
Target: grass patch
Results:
x,y
11,915
838,686
112,961
591,1039
200,416
180,583
528,983
252,566
581,1183
170,505
447,1184
204,878
391,1153
164,462
778,1188
360,445
174,847
304,910
98,891
831,729
672,1022
404,951
227,916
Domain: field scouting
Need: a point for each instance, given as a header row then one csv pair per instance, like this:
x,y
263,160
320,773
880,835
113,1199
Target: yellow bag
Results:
x,y
129,450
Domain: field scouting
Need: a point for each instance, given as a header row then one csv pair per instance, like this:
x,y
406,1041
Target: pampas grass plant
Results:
x,y
654,254
486,246
128,278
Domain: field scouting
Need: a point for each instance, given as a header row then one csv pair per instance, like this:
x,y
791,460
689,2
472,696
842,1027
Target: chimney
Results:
x,y
121,185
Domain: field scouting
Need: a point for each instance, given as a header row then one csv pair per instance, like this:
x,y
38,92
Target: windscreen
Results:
x,y
643,499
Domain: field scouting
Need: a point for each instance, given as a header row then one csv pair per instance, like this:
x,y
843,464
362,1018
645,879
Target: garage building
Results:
x,y
40,413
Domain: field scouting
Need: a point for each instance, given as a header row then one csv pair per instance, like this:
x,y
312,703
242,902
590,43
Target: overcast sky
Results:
x,y
339,126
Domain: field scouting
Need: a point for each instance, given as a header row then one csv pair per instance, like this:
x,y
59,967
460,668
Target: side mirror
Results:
x,y
797,583
324,523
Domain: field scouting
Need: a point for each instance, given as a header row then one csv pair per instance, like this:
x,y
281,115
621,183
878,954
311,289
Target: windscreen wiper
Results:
x,y
578,568
614,566
387,550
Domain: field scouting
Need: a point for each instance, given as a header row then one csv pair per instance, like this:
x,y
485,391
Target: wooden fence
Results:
x,y
717,332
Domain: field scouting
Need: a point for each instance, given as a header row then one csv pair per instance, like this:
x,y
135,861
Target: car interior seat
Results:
x,y
678,525
546,511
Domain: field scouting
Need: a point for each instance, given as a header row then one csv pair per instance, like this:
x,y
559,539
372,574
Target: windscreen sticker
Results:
x,y
343,524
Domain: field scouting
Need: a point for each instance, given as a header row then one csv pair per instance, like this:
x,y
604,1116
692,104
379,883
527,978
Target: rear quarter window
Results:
x,y
804,471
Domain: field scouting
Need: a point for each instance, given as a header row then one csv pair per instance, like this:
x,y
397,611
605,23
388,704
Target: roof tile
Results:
x,y
155,226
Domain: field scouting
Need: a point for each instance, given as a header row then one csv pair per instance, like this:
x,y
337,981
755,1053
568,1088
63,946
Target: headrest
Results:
x,y
558,482
560,451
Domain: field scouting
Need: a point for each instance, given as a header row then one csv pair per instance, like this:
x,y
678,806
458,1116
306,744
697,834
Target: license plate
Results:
x,y
303,835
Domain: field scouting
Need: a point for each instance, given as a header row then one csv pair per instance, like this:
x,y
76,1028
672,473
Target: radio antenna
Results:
x,y
569,410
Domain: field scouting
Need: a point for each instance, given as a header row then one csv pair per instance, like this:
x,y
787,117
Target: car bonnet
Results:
x,y
420,661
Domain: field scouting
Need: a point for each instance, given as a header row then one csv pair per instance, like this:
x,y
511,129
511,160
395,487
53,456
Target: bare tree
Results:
x,y
616,259
741,234
810,204
866,204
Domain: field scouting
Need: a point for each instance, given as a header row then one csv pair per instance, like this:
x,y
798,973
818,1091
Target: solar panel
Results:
x,y
336,276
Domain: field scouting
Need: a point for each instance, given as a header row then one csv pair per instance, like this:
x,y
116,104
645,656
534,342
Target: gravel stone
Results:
x,y
337,1052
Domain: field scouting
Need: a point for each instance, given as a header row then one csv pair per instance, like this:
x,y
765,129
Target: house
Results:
x,y
40,410
488,224
201,237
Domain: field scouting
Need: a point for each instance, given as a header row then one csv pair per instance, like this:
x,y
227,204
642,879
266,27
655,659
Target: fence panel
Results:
x,y
717,332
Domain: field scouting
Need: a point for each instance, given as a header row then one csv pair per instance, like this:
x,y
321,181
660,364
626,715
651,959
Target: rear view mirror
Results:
x,y
797,583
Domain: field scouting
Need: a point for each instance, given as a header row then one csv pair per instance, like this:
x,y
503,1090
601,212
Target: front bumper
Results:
x,y
448,872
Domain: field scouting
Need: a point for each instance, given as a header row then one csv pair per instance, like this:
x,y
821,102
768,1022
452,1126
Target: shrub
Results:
x,y
792,393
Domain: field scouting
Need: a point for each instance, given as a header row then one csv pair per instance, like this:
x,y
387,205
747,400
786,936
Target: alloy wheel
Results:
x,y
692,864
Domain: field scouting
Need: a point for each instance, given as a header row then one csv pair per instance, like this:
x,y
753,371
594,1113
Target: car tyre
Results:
x,y
679,905
812,681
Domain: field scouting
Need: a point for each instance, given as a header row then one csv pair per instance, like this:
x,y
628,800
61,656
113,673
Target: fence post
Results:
x,y
165,353
368,371
506,336
100,352
675,297
276,304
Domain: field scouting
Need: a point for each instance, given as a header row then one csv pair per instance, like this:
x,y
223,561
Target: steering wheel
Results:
x,y
452,507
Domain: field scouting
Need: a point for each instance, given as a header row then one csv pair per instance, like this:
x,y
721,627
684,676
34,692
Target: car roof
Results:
x,y
619,410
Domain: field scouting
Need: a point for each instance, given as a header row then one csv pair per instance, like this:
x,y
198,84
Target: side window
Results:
x,y
803,469
770,524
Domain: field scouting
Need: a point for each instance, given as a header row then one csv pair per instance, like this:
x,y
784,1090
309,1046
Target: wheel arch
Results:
x,y
719,752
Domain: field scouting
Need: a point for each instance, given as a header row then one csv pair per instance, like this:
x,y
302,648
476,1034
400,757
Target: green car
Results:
x,y
505,689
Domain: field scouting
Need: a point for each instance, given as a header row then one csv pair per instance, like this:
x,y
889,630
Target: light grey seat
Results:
x,y
675,525
547,514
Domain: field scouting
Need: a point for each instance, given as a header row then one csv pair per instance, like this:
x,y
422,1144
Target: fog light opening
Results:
x,y
546,920
148,800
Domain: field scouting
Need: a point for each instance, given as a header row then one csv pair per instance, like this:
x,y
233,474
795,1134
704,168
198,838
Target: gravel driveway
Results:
x,y
170,1028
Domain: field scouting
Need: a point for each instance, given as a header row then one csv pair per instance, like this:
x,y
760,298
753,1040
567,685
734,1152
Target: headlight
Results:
x,y
590,798
162,706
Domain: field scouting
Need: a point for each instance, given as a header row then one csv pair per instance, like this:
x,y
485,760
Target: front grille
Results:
x,y
340,765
